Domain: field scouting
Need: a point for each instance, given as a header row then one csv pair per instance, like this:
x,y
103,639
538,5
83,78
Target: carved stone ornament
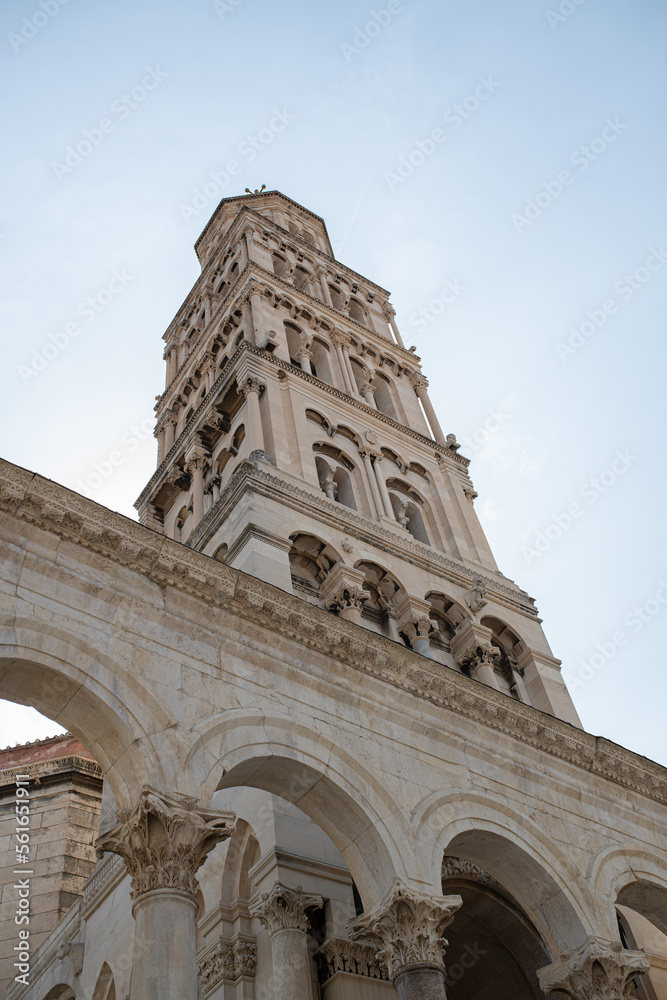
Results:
x,y
418,629
477,655
228,960
348,597
407,927
284,908
250,384
475,596
458,868
165,839
599,970
341,955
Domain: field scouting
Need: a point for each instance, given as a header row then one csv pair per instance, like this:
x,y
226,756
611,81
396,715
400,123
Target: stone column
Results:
x,y
283,912
408,929
252,389
382,485
343,592
195,466
389,315
338,347
322,275
598,970
173,362
246,246
254,296
345,350
367,390
169,432
420,385
246,312
473,650
372,480
163,842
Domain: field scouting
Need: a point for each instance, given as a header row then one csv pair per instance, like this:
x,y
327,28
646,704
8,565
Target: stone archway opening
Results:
x,y
641,911
490,940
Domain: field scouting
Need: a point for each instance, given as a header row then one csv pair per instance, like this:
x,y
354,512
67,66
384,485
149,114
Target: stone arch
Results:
x,y
242,853
632,877
88,694
311,559
520,856
105,987
349,803
411,510
383,390
447,612
61,991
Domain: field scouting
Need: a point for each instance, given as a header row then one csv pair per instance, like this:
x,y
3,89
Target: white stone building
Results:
x,y
331,730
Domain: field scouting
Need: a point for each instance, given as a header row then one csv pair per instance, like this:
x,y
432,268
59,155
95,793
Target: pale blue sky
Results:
x,y
594,78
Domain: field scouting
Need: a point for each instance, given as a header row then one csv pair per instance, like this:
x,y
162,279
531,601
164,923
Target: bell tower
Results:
x,y
297,442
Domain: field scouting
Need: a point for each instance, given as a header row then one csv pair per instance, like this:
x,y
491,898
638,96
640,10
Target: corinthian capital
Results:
x,y
599,970
250,384
284,909
407,927
165,839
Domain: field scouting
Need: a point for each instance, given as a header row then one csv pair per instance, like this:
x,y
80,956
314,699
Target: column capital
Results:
x,y
165,839
598,970
284,909
418,382
343,588
250,384
408,928
472,646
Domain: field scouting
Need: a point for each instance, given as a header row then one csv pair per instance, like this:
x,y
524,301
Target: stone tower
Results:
x,y
297,442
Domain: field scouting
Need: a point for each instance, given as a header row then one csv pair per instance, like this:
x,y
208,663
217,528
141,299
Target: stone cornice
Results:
x,y
109,873
267,481
71,517
53,770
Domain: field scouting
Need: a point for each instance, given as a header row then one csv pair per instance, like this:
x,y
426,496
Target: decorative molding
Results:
x,y
43,770
458,868
80,521
408,927
599,970
227,961
284,909
165,839
351,957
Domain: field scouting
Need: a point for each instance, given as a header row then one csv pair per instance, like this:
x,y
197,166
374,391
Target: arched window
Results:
x,y
511,647
407,507
357,312
384,593
295,343
336,296
302,279
280,265
310,562
383,395
221,552
319,361
335,481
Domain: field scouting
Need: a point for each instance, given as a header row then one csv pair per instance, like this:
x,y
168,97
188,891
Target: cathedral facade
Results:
x,y
339,757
